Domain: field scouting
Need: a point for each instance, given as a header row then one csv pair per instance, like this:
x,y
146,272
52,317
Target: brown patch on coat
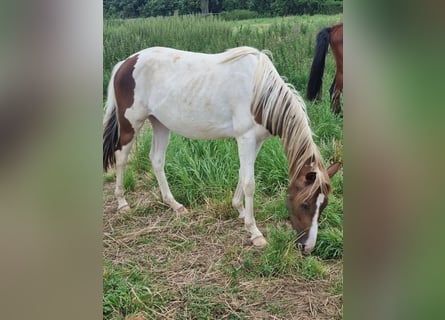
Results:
x,y
257,111
276,128
124,85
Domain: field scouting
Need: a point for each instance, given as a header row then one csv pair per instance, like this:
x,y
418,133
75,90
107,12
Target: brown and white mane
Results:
x,y
281,110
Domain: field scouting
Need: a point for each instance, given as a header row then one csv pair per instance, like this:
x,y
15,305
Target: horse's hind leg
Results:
x,y
331,89
334,93
161,135
247,149
335,102
121,162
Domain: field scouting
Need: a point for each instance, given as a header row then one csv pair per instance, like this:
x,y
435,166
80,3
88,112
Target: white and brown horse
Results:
x,y
236,94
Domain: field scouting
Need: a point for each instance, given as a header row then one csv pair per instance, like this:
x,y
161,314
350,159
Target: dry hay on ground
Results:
x,y
192,251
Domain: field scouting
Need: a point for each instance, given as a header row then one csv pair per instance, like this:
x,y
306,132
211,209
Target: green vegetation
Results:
x,y
128,290
291,40
278,259
238,14
236,9
195,266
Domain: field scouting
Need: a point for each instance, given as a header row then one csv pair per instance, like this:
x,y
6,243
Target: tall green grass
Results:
x,y
290,39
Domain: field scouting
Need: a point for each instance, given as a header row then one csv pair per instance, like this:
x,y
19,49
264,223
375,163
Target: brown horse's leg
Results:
x,y
331,90
336,43
335,92
335,102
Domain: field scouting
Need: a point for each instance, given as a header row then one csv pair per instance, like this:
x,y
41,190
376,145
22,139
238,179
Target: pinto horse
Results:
x,y
328,36
236,94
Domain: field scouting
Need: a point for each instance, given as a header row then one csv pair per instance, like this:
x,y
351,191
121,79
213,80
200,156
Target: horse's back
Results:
x,y
194,94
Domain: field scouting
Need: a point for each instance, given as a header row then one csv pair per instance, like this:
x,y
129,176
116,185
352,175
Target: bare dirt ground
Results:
x,y
193,251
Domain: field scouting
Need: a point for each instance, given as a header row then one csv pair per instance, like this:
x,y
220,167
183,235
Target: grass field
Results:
x,y
200,265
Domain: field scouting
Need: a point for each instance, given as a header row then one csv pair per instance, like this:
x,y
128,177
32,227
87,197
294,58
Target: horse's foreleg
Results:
x,y
237,201
161,136
248,149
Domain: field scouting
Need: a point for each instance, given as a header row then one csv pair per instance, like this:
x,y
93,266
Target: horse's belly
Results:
x,y
196,126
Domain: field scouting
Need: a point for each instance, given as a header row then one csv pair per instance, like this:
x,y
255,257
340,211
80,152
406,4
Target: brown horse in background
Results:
x,y
328,36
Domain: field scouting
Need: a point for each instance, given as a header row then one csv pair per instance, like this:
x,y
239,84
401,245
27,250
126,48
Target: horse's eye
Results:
x,y
305,206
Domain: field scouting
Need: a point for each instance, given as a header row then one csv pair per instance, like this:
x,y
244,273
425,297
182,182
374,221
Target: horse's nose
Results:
x,y
305,249
301,246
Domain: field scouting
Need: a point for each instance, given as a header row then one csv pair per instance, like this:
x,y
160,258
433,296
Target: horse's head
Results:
x,y
306,202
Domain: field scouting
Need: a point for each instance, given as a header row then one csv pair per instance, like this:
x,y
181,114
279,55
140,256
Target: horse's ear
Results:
x,y
310,177
333,168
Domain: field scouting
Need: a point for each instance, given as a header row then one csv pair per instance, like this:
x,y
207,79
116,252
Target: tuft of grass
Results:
x,y
127,290
280,256
275,309
199,170
271,168
337,287
129,179
272,208
337,185
140,160
109,177
329,244
204,302
311,268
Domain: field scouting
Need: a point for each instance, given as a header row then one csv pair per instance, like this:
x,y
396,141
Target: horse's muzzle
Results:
x,y
300,244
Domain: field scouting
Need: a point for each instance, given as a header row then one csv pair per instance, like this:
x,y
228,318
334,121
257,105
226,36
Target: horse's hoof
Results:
x,y
259,241
181,209
124,209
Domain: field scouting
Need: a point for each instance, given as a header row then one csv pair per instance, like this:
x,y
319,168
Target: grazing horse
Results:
x,y
236,94
328,36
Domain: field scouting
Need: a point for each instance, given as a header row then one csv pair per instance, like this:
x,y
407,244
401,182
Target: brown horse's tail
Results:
x,y
317,68
111,126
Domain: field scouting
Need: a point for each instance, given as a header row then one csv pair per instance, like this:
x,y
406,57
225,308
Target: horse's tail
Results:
x,y
317,68
111,125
